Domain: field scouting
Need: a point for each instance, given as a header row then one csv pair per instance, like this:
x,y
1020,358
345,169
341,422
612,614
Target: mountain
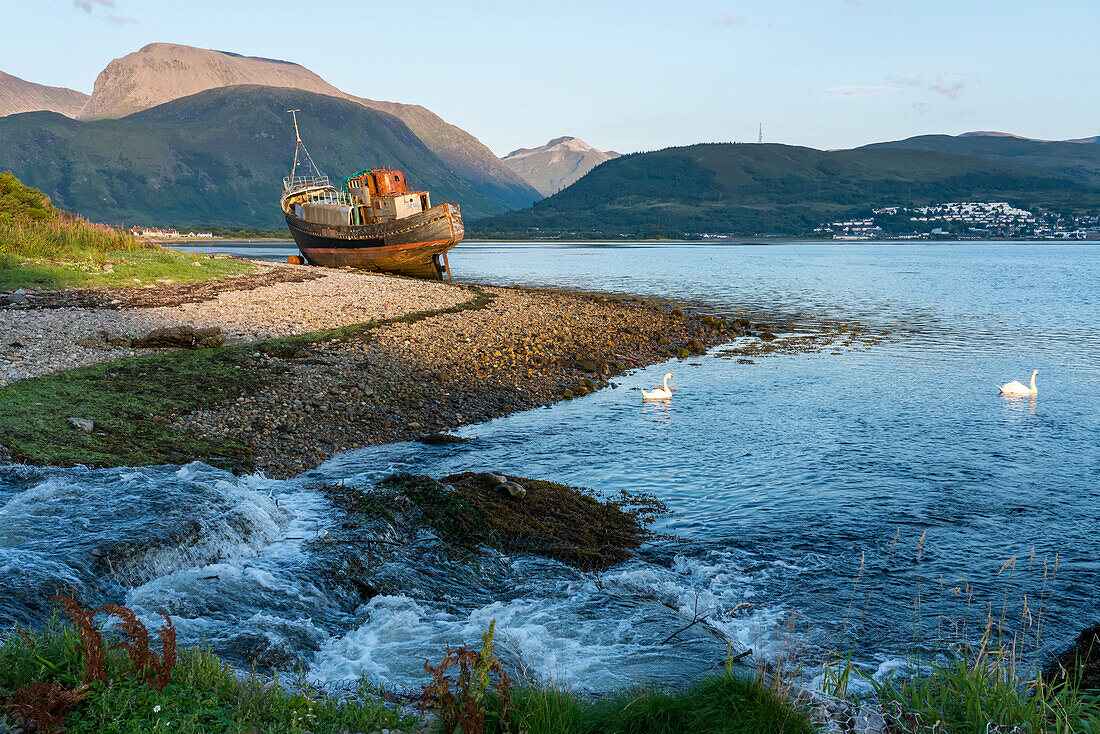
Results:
x,y
765,188
161,72
217,157
995,134
551,167
18,95
1062,157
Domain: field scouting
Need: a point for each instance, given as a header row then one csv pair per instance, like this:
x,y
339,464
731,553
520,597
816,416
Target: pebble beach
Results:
x,y
506,350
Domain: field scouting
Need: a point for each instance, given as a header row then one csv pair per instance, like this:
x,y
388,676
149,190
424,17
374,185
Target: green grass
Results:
x,y
114,269
728,703
42,248
968,694
205,695
127,399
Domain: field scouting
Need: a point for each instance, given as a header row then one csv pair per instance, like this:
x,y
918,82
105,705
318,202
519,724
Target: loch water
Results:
x,y
871,499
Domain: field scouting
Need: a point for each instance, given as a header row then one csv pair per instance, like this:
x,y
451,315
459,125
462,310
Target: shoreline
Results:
x,y
372,359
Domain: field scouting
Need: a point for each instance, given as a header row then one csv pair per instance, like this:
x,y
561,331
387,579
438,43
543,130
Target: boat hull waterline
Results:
x,y
410,246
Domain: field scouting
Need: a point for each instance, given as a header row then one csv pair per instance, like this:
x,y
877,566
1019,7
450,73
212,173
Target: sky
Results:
x,y
633,75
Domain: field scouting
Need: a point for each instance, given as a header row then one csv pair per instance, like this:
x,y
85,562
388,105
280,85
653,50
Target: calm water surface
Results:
x,y
814,498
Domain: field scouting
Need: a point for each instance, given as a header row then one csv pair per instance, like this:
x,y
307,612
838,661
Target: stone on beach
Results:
x,y
104,339
181,337
82,423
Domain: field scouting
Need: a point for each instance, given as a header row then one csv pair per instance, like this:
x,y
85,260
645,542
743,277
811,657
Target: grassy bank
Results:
x,y
43,248
68,677
727,703
61,679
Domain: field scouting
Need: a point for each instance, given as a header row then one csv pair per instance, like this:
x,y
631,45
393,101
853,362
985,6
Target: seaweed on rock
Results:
x,y
569,524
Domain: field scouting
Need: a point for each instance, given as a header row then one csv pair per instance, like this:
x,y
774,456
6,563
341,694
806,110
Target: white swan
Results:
x,y
664,392
1016,388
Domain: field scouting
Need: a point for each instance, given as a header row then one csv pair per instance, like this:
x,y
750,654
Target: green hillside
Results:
x,y
217,157
749,189
1076,160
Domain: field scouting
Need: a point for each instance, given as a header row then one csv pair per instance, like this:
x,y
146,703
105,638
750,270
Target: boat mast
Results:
x,y
300,146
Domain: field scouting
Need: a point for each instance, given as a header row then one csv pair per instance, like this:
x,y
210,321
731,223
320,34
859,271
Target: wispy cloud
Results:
x,y
860,90
121,19
87,5
950,89
947,85
728,19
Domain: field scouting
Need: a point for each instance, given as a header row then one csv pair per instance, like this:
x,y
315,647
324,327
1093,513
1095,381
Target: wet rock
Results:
x,y
587,364
514,489
1080,662
441,439
181,337
869,720
768,336
82,423
696,347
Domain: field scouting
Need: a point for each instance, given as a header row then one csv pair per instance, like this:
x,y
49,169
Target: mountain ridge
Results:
x,y
747,189
19,95
161,72
215,158
1073,159
559,163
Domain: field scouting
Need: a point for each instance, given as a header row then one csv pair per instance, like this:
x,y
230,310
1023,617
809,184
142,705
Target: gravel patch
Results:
x,y
40,338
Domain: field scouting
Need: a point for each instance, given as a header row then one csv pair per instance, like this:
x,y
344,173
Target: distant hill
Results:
x,y
217,157
753,188
551,167
18,95
996,134
162,72
1069,158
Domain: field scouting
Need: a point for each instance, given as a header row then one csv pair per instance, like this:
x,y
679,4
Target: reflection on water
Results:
x,y
1019,407
817,492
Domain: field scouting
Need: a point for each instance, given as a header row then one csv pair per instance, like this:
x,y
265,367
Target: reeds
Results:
x,y
69,238
982,671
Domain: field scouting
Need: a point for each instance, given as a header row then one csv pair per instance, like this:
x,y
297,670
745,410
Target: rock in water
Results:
x,y
441,439
514,489
82,423
181,337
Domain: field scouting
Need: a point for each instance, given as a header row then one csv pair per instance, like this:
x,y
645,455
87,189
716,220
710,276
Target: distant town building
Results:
x,y
962,219
166,233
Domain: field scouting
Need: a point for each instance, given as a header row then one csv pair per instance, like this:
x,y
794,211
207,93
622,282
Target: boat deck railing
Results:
x,y
318,191
304,182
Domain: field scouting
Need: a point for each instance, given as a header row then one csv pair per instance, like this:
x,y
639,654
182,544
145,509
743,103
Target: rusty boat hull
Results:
x,y
415,245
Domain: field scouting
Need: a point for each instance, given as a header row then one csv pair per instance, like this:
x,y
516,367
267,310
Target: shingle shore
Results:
x,y
397,381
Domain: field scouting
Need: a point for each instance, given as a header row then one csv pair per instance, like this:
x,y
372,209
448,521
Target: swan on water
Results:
x,y
1017,388
663,392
